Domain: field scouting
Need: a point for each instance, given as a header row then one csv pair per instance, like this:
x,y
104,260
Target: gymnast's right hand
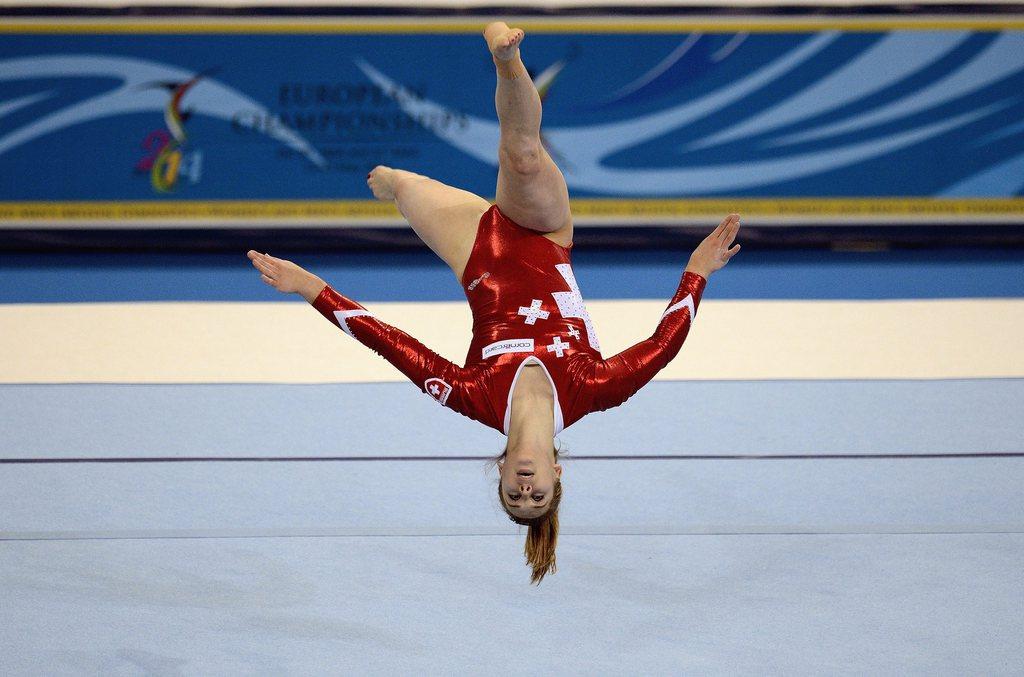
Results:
x,y
285,276
716,249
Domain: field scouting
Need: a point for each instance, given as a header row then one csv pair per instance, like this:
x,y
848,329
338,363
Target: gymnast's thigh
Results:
x,y
446,219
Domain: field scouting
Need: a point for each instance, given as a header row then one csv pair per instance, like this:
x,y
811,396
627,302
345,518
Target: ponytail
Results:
x,y
541,538
542,531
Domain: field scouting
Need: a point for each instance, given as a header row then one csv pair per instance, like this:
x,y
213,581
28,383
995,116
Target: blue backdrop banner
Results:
x,y
239,122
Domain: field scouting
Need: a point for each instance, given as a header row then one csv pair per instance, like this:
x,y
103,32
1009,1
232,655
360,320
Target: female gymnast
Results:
x,y
534,365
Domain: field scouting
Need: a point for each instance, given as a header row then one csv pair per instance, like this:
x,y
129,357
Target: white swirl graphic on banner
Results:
x,y
662,66
997,61
730,47
1000,134
893,58
903,53
590,145
11,105
132,96
1006,178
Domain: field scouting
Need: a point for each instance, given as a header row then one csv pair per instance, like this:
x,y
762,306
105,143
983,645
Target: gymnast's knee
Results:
x,y
521,158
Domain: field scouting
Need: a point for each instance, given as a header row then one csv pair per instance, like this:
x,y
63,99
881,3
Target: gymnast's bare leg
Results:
x,y
531,189
444,217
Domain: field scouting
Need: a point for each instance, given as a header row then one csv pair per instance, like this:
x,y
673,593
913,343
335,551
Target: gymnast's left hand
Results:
x,y
286,276
717,248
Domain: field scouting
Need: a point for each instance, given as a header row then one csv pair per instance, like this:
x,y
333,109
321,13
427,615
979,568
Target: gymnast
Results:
x,y
534,365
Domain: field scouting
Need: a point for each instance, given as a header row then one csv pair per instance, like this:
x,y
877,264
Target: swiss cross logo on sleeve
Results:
x,y
438,389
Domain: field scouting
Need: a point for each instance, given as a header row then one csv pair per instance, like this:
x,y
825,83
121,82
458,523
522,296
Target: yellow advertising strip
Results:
x,y
186,210
576,26
354,210
868,208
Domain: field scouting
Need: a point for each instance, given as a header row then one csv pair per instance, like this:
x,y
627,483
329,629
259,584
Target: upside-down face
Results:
x,y
528,478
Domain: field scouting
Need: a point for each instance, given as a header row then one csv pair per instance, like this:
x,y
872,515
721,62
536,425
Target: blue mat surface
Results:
x,y
646,605
666,417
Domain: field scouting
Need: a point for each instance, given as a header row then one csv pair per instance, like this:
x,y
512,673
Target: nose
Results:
x,y
524,479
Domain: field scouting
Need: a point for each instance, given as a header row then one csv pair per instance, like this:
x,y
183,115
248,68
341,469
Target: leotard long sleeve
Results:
x,y
448,383
614,380
527,308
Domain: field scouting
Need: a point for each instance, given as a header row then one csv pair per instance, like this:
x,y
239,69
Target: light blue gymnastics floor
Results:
x,y
929,604
863,527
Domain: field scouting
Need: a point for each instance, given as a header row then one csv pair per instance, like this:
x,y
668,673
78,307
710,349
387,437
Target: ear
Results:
x,y
558,471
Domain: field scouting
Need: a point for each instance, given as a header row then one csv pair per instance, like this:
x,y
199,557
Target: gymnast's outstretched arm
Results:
x,y
446,382
616,379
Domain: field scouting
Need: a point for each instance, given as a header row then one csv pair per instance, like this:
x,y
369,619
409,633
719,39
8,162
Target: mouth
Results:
x,y
525,473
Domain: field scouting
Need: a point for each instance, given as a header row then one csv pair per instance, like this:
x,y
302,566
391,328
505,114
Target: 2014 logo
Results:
x,y
166,157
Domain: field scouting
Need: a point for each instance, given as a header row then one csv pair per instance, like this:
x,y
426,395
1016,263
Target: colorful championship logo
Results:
x,y
166,157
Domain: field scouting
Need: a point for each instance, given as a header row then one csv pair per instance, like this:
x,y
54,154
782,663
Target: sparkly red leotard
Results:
x,y
526,308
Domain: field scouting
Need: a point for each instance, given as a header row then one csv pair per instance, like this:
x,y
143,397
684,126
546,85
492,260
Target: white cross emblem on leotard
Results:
x,y
570,304
558,347
574,332
533,312
437,389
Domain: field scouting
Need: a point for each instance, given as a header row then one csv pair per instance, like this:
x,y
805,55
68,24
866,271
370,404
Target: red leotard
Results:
x,y
526,308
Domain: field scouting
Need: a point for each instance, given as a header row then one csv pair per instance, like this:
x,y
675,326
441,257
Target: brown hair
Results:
x,y
542,533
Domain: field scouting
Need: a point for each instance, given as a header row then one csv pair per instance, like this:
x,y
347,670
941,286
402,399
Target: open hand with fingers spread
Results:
x,y
285,276
717,248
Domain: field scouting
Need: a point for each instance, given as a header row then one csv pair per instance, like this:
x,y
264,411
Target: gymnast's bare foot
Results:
x,y
502,40
381,182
